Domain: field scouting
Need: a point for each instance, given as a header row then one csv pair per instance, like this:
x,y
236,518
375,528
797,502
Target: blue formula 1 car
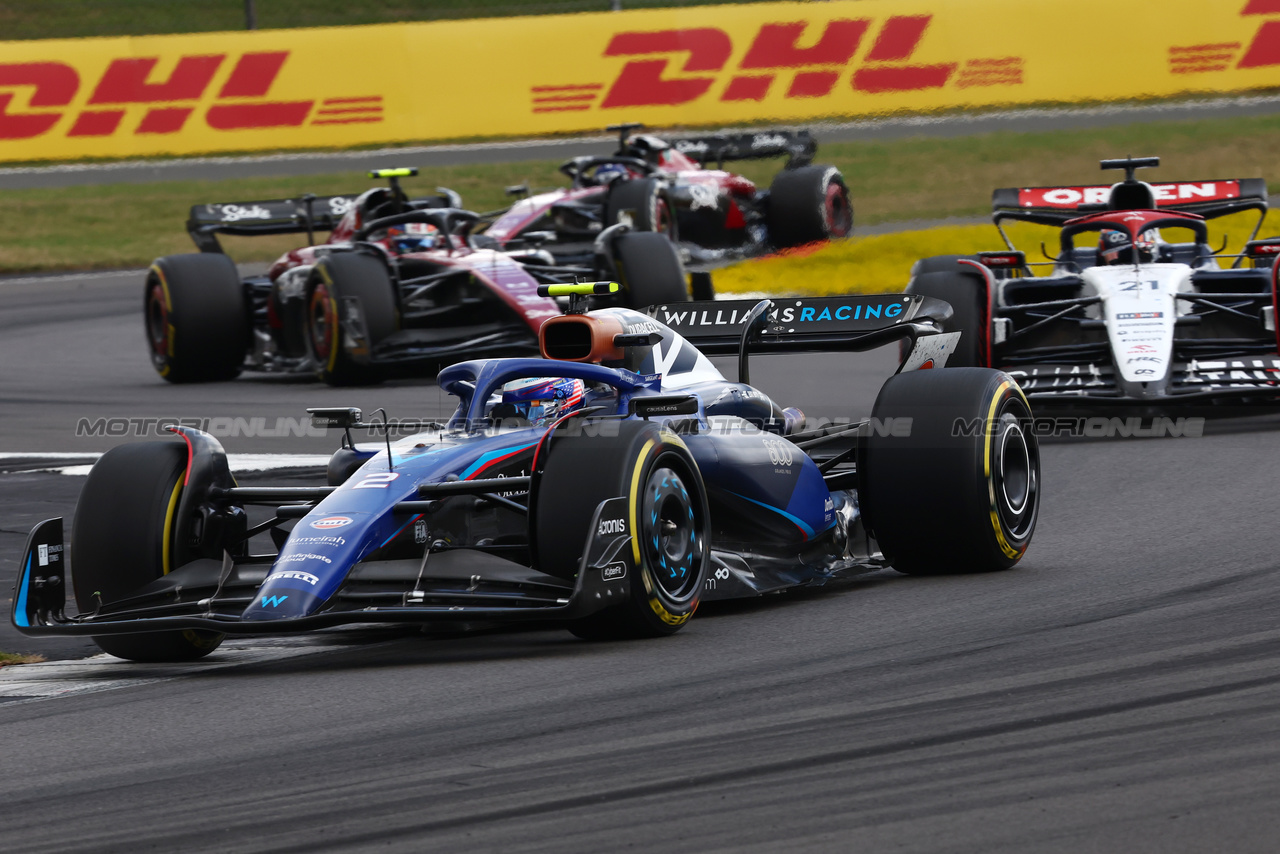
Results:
x,y
610,486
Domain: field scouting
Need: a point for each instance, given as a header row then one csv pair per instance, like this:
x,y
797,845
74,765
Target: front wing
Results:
x,y
455,585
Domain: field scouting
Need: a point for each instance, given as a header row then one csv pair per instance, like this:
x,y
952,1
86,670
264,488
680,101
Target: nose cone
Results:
x,y
287,593
311,566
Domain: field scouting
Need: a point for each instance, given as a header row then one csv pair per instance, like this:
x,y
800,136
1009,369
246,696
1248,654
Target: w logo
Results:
x,y
273,601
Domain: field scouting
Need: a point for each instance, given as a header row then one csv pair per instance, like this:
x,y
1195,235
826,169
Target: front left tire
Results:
x,y
669,524
125,535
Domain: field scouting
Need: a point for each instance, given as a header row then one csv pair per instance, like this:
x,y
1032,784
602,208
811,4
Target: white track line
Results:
x,y
238,462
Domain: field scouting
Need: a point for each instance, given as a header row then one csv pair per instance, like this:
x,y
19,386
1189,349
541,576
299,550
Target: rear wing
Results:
x,y
805,324
1056,205
274,216
797,146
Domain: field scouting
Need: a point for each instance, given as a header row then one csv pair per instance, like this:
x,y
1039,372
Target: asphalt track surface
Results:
x,y
1115,692
880,129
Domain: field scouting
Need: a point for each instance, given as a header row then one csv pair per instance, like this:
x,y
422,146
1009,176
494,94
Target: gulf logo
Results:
x,y
331,522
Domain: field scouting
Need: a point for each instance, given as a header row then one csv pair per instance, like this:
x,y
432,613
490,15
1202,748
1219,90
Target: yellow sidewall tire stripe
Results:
x,y
989,433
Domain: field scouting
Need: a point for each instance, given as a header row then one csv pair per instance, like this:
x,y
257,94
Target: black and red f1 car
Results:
x,y
401,285
716,216
1136,308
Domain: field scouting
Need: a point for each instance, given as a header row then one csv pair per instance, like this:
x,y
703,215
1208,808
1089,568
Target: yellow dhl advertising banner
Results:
x,y
710,65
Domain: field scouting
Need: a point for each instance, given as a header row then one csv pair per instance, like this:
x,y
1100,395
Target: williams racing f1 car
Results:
x,y
609,487
400,286
717,217
1136,310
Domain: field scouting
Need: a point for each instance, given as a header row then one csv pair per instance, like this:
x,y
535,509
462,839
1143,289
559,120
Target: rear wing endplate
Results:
x,y
273,216
806,324
797,146
1056,205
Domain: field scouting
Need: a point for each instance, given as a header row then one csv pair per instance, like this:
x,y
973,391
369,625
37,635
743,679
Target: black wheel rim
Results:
x,y
157,323
1015,470
671,534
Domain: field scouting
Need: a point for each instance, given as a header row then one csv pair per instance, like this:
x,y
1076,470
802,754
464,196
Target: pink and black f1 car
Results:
x,y
716,216
1137,308
609,486
401,285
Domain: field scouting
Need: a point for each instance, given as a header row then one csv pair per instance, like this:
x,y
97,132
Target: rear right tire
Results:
x,y
958,491
807,205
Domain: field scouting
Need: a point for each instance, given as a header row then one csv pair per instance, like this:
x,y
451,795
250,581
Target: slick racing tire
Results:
x,y
940,264
649,270
967,295
809,204
649,203
338,283
126,535
960,490
668,519
196,321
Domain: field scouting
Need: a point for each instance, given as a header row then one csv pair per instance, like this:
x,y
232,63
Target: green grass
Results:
x,y
14,658
126,225
47,19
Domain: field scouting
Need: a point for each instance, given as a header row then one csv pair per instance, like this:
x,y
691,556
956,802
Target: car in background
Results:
x,y
1135,307
680,188
399,286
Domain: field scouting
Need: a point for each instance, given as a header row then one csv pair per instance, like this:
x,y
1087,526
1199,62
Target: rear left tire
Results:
x,y
669,524
966,293
196,321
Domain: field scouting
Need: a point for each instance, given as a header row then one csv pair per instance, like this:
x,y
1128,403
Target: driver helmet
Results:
x,y
1115,247
413,236
540,400
607,173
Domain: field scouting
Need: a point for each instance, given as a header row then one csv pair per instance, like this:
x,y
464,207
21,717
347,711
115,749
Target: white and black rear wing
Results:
x,y
273,216
797,146
805,324
1056,205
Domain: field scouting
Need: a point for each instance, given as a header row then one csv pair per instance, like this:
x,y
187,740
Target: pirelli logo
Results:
x,y
140,96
